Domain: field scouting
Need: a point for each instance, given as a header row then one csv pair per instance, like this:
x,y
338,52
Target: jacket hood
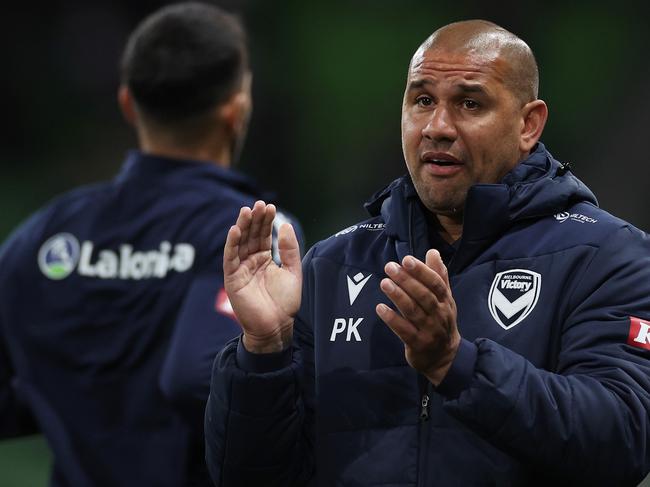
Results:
x,y
538,186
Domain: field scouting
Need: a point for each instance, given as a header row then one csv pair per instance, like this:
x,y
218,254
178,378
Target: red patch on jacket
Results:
x,y
222,305
639,333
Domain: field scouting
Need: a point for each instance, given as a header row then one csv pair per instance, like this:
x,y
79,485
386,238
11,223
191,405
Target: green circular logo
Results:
x,y
58,256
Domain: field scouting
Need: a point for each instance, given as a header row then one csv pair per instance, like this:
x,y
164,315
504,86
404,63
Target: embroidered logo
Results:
x,y
355,285
562,217
371,227
639,335
513,295
58,256
62,254
576,217
346,231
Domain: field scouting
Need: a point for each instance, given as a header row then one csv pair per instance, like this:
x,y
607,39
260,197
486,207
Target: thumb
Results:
x,y
289,249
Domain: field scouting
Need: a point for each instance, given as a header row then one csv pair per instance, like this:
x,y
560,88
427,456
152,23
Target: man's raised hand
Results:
x,y
265,297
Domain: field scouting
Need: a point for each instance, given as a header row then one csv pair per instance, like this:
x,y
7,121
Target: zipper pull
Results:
x,y
424,410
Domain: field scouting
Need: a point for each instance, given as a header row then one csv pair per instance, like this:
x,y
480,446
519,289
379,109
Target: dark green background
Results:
x,y
328,84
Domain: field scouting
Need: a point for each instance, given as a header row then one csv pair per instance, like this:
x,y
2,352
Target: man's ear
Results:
x,y
127,104
534,118
236,111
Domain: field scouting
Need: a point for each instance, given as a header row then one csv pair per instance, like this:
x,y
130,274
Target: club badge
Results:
x,y
513,295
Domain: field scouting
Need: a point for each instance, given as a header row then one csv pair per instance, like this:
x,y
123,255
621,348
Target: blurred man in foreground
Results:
x,y
112,305
489,325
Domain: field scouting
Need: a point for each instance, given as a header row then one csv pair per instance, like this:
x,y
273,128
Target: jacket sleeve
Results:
x,y
259,424
204,325
587,419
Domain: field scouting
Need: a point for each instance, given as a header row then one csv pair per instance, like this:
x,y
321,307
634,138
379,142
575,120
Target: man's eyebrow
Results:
x,y
462,87
471,88
419,83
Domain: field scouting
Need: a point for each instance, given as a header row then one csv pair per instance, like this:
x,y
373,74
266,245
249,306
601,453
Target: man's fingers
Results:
x,y
420,282
427,276
257,218
405,330
244,223
289,249
231,251
266,230
414,311
434,261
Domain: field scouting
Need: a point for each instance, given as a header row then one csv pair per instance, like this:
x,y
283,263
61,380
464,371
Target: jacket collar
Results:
x,y
538,186
151,168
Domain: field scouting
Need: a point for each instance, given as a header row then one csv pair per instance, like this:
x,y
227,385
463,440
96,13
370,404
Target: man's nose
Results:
x,y
440,125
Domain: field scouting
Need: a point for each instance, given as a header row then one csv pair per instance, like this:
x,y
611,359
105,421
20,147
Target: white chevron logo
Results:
x,y
510,309
355,285
513,295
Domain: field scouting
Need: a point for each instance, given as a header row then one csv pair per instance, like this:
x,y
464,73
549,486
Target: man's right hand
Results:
x,y
265,297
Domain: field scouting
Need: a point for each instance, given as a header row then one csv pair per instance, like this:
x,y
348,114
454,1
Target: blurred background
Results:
x,y
328,82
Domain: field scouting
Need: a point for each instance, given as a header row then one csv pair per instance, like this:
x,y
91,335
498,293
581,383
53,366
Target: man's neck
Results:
x,y
195,154
215,150
451,227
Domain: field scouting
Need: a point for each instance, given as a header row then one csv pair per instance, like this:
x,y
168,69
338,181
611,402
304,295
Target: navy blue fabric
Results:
x,y
251,362
113,360
559,398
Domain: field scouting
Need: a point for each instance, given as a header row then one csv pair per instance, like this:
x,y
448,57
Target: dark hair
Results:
x,y
183,60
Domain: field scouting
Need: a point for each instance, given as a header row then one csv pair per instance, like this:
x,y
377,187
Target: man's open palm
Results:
x,y
265,297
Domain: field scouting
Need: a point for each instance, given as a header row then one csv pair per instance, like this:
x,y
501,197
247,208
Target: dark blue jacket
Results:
x,y
551,384
111,313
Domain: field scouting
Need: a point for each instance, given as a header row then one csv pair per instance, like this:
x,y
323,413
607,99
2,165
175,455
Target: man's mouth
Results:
x,y
440,158
441,163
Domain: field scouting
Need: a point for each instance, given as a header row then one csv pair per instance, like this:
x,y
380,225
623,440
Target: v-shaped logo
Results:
x,y
513,295
355,285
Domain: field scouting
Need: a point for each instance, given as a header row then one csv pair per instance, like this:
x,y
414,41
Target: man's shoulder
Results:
x,y
64,206
212,201
589,224
358,241
51,219
76,200
580,226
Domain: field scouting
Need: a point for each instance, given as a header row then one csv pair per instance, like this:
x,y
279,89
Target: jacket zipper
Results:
x,y
424,429
425,389
424,408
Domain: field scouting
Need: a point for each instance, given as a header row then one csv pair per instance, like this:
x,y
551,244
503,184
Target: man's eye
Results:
x,y
470,104
424,101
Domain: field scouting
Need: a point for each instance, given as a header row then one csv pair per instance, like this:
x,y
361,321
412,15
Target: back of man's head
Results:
x,y
183,60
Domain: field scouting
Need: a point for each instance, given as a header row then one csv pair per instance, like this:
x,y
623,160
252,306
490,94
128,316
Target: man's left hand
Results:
x,y
427,324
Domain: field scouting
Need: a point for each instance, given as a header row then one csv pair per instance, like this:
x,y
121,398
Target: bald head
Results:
x,y
487,40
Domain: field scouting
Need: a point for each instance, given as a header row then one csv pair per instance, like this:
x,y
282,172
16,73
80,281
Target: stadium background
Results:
x,y
328,83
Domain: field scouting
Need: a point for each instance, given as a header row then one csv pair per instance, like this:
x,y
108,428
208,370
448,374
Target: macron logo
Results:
x,y
355,285
639,333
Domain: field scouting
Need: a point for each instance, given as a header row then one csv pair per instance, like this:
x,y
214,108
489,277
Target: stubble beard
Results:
x,y
450,202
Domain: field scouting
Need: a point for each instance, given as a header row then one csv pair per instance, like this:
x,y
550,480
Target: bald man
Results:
x,y
488,325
